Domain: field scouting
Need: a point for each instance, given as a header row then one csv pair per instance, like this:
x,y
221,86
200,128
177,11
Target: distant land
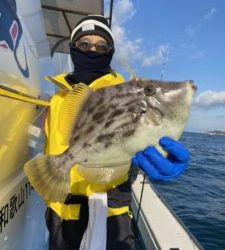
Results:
x,y
216,132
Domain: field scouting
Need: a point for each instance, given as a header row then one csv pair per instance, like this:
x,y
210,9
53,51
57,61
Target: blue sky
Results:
x,y
176,40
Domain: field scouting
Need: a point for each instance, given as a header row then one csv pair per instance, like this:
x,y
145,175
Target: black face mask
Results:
x,y
88,66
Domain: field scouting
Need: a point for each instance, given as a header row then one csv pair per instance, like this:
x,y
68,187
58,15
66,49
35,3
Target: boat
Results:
x,y
30,35
216,132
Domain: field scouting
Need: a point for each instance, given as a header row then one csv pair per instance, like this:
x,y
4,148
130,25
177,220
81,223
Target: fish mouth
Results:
x,y
193,86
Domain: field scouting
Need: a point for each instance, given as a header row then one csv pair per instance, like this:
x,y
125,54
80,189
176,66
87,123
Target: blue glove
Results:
x,y
156,166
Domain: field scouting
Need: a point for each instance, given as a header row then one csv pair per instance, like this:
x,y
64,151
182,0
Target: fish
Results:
x,y
106,127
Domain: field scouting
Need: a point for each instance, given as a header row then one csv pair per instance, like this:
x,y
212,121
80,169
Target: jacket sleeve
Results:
x,y
55,142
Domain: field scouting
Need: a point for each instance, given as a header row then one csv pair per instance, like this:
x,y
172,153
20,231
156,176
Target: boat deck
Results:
x,y
159,227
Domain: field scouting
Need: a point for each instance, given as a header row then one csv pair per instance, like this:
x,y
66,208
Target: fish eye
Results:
x,y
149,90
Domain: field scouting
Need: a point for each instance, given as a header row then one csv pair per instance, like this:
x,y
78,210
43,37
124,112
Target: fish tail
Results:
x,y
47,179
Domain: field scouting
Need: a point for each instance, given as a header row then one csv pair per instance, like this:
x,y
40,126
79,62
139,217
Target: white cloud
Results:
x,y
210,14
191,31
160,56
132,50
210,98
123,10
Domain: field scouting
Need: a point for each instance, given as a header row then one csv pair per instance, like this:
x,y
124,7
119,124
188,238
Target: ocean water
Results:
x,y
198,196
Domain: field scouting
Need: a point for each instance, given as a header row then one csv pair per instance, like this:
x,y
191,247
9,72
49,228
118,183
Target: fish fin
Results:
x,y
104,173
71,107
49,180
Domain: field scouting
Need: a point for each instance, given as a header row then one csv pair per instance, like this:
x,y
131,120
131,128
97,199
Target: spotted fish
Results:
x,y
108,127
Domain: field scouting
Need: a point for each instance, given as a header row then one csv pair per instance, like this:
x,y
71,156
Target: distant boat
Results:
x,y
216,132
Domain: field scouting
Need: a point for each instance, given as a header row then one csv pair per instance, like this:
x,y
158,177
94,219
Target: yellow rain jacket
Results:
x,y
56,144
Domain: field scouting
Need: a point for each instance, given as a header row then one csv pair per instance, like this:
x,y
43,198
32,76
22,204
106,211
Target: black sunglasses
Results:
x,y
100,47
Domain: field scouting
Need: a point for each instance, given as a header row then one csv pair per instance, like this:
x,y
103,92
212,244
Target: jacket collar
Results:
x,y
104,81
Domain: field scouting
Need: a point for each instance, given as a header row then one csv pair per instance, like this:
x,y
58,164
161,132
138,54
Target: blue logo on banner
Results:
x,y
11,31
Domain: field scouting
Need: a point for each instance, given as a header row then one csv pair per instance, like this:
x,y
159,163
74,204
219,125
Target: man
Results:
x,y
91,49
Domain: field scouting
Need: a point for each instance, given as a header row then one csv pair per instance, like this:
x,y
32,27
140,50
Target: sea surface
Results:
x,y
198,196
